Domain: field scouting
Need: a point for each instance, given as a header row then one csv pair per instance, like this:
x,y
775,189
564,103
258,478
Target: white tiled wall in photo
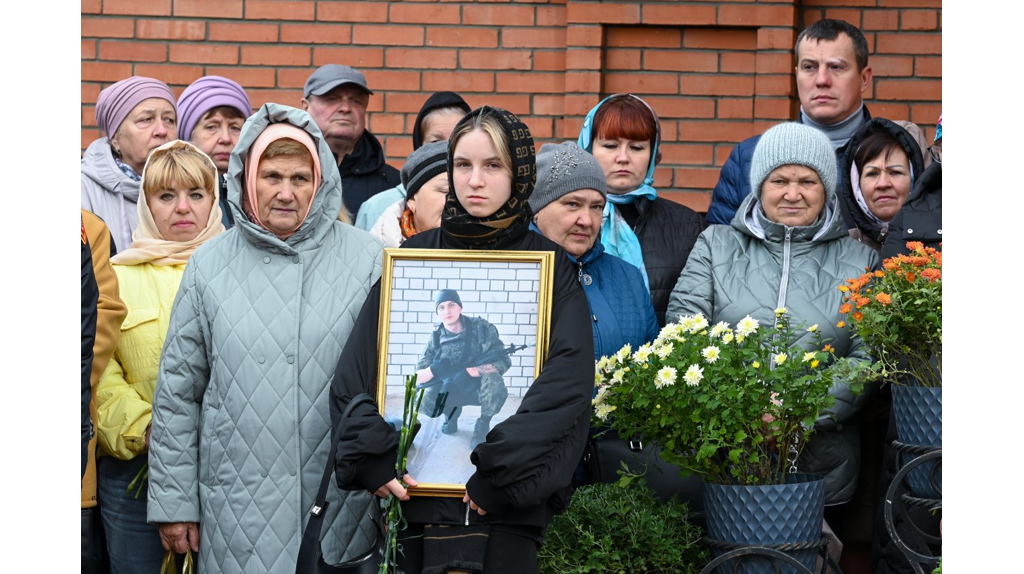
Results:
x,y
503,292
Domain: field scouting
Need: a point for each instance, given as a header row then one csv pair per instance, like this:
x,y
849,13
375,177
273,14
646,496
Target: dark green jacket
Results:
x,y
754,266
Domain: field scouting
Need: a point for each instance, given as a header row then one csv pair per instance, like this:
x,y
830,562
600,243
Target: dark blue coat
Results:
x,y
620,309
734,179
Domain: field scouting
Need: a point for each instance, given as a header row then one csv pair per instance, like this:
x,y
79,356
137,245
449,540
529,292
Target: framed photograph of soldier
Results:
x,y
473,326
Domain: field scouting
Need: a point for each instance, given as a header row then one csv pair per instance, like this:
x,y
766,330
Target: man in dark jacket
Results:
x,y
457,341
336,96
832,74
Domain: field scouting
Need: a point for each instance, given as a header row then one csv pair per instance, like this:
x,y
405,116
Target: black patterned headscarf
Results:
x,y
512,220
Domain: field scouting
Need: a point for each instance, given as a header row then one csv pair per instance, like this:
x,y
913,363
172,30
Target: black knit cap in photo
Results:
x,y
447,295
422,165
435,101
512,220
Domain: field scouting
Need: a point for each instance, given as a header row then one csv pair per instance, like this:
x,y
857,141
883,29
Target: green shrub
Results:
x,y
609,528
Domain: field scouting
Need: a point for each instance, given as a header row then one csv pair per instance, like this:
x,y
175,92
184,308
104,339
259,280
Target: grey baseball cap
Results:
x,y
330,76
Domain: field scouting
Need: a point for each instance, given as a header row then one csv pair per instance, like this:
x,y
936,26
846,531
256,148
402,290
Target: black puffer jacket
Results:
x,y
862,227
524,468
921,216
667,232
364,173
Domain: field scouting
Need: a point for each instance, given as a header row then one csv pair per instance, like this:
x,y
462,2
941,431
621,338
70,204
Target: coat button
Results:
x,y
291,360
939,232
263,473
261,360
910,231
292,472
266,259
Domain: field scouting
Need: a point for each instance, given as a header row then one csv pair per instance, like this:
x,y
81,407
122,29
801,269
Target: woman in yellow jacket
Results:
x,y
180,212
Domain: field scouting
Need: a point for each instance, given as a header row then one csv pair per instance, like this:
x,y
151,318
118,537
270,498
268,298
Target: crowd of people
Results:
x,y
231,298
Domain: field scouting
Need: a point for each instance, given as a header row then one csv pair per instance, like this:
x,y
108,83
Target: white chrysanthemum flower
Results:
x,y
598,379
719,329
711,353
808,357
663,351
624,352
602,392
746,326
686,323
699,323
693,375
727,338
666,376
602,364
617,376
603,411
780,358
812,328
642,354
780,311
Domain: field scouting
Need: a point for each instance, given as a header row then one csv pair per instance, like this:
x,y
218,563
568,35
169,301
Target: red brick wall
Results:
x,y
716,72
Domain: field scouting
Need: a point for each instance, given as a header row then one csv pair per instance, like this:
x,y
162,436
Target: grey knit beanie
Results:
x,y
793,143
429,160
564,168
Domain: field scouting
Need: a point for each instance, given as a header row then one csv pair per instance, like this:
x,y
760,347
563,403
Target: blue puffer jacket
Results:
x,y
734,180
620,309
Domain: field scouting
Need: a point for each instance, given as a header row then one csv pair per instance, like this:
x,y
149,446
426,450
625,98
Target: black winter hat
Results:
x,y
447,295
435,101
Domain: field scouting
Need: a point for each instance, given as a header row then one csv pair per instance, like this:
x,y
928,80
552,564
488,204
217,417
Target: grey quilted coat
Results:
x,y
241,422
755,265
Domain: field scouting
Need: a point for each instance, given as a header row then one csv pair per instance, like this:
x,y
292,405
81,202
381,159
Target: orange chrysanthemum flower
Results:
x,y
828,346
844,288
910,276
879,273
845,308
858,316
915,245
862,301
841,324
889,264
883,298
920,261
931,274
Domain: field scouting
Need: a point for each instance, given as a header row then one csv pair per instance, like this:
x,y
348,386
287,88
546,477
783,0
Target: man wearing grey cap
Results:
x,y
336,96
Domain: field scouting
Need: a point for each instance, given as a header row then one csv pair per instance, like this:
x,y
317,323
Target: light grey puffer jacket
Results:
x,y
754,266
241,422
109,193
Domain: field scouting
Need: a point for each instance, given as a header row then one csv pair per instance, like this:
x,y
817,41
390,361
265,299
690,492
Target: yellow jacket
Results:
x,y
110,312
125,392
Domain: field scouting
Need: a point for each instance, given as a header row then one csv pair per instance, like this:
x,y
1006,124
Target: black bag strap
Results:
x,y
309,548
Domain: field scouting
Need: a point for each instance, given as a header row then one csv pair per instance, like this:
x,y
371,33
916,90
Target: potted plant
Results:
x,y
611,528
735,405
897,311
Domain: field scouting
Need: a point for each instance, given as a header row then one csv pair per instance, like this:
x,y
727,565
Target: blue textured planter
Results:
x,y
918,412
760,515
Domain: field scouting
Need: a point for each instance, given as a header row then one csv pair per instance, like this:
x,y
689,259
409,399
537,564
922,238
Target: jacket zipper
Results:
x,y
785,270
467,514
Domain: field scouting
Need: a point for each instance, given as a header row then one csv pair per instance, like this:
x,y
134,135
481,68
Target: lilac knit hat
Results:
x,y
205,94
118,100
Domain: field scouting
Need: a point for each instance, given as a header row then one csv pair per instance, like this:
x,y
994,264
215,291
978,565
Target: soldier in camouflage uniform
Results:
x,y
456,341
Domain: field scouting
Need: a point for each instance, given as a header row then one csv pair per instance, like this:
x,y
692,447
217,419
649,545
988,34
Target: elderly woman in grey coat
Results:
x,y
788,247
241,422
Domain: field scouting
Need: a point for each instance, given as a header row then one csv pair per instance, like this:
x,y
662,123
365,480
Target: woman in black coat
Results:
x,y
525,465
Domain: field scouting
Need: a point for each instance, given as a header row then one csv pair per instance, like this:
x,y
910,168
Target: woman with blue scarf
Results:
x,y
652,233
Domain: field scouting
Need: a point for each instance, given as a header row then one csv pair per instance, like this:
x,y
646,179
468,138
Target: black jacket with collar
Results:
x,y
524,468
667,232
364,173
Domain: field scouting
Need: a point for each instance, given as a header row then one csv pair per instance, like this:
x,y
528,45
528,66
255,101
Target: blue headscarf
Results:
x,y
617,236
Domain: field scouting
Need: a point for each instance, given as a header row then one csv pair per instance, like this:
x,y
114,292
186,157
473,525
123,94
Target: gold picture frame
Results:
x,y
511,292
